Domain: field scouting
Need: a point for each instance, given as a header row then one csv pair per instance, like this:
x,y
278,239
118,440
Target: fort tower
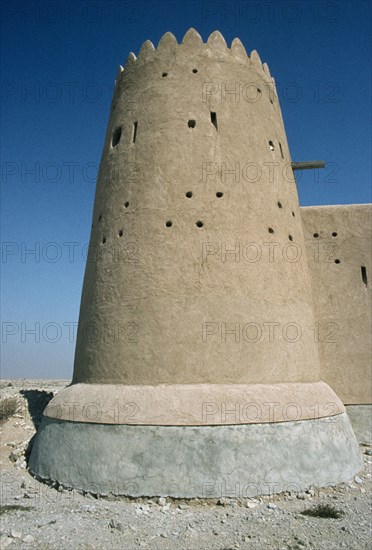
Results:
x,y
196,365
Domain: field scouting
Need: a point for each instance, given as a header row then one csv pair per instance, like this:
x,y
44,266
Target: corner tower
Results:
x,y
195,352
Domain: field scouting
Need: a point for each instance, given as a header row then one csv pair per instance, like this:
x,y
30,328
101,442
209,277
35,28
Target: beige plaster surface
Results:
x,y
342,300
194,405
163,301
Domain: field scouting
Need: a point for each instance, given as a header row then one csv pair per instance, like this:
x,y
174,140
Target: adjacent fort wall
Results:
x,y
338,245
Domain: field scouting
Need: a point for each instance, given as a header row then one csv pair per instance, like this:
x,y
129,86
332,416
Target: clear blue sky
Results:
x,y
59,62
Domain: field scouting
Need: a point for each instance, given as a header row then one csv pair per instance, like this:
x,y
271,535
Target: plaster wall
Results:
x,y
170,297
338,246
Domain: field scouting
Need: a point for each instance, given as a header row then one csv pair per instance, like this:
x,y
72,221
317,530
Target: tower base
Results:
x,y
196,461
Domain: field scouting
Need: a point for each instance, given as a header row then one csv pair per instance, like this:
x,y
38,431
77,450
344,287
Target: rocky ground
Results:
x,y
35,515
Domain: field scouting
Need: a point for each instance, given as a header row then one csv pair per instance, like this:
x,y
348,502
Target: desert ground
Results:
x,y
36,515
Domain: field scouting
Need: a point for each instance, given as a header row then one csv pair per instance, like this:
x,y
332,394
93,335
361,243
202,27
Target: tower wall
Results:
x,y
173,306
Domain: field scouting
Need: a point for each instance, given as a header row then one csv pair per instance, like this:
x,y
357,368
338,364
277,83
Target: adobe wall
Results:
x,y
338,246
173,192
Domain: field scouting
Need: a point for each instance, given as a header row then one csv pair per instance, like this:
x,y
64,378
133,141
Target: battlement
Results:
x,y
192,44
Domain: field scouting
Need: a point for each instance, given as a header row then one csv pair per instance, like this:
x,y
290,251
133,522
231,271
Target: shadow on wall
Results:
x,y
37,401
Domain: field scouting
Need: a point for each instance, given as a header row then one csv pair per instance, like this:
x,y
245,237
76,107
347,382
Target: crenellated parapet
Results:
x,y
192,45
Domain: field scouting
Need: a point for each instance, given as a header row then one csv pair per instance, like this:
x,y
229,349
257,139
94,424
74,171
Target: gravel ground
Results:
x,y
35,515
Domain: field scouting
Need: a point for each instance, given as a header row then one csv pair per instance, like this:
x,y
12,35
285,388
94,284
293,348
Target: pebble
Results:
x,y
272,506
358,480
28,539
5,541
15,534
300,541
162,501
250,504
114,524
89,508
144,507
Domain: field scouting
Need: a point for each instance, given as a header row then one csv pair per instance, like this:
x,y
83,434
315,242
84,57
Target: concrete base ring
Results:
x,y
196,461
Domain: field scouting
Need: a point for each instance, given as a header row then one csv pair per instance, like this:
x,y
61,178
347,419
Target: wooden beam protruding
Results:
x,y
308,165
